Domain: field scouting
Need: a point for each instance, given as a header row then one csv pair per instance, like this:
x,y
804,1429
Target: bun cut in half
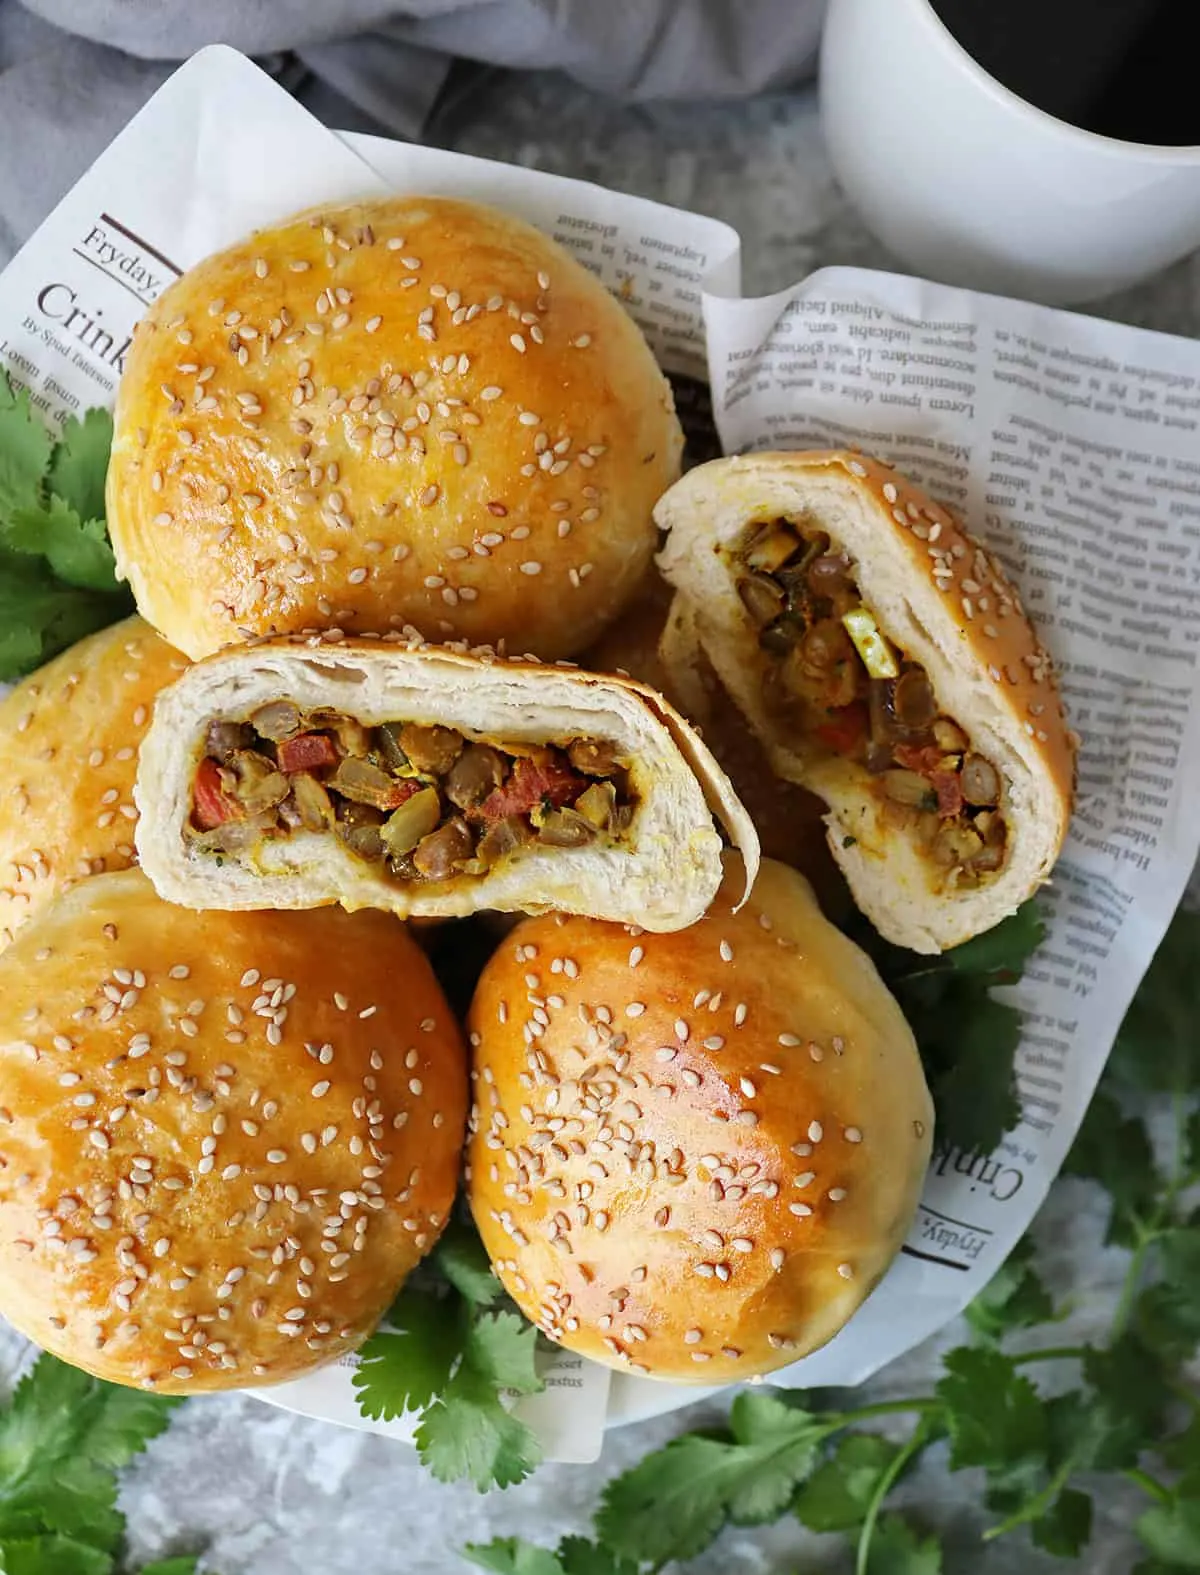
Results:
x,y
693,1156
69,738
225,1140
408,411
885,662
431,783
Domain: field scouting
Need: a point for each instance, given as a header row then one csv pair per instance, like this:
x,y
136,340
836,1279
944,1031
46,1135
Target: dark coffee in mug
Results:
x,y
1122,68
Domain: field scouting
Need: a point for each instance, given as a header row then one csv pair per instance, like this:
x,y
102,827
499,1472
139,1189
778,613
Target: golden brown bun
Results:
x,y
69,739
641,1166
943,601
225,1139
306,436
656,641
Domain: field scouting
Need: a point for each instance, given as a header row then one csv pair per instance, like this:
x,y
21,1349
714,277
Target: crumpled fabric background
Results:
x,y
270,1494
72,72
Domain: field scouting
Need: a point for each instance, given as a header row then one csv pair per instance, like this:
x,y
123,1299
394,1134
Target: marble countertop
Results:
x,y
270,1494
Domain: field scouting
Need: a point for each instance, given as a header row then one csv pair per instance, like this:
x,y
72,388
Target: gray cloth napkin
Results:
x,y
72,72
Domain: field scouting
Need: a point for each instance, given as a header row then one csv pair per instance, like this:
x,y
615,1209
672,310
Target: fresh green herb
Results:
x,y
574,1556
447,1354
1131,1412
63,1438
968,1039
57,574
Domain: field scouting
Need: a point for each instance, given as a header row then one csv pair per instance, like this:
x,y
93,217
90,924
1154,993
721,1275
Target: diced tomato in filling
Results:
x,y
921,758
530,784
306,752
926,760
845,728
213,806
403,790
948,787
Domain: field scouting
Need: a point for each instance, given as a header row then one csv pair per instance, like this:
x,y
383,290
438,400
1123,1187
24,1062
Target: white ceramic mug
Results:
x,y
969,184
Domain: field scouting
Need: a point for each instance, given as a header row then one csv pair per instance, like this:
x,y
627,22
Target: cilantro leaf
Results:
x,y
1157,1049
580,1557
1014,1297
837,1495
674,1503
575,1556
462,1259
510,1556
1000,954
969,1046
1066,1527
1126,1410
80,464
671,1505
968,1039
25,448
62,1437
39,616
896,1549
467,1434
501,1350
1172,1532
1114,1149
75,548
994,1415
52,1556
1167,1313
405,1366
57,570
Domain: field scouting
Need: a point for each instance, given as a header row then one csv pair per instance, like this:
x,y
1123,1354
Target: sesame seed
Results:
x,y
801,1209
836,1194
747,1087
815,1131
518,343
846,1271
852,1135
804,1179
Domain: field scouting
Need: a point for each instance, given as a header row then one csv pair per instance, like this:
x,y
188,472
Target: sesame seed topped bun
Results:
x,y
404,411
69,737
886,663
225,1139
693,1156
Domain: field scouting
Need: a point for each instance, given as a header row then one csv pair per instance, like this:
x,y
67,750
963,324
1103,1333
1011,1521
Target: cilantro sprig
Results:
x,y
57,573
448,1353
63,1439
999,1407
967,1037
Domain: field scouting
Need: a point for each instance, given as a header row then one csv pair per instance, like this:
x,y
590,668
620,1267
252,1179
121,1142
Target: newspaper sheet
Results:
x,y
1069,444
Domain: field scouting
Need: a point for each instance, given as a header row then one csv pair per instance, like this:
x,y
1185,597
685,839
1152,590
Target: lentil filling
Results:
x,y
835,678
423,802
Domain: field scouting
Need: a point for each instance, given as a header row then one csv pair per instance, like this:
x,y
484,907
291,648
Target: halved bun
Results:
x,y
945,605
225,1139
694,1155
662,872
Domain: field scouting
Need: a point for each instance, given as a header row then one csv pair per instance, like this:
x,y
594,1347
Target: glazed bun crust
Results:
x,y
404,411
693,1156
225,1139
69,738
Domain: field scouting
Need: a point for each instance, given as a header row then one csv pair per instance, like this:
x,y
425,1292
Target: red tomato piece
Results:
x,y
212,806
531,782
306,752
845,728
